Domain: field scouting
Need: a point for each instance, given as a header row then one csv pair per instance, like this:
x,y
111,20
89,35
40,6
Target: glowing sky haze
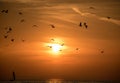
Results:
x,y
60,39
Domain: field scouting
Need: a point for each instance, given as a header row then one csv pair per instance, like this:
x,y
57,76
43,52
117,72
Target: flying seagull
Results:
x,y
60,50
20,13
102,51
91,7
52,39
108,17
62,44
80,24
5,36
77,48
10,29
50,46
22,20
4,11
23,40
52,26
12,40
85,25
34,26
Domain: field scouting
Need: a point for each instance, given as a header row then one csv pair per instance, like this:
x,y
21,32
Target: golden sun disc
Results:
x,y
56,48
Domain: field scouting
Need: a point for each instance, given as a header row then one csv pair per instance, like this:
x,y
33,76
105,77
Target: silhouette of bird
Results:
x,y
50,46
10,29
20,13
12,40
62,44
52,39
60,50
108,17
52,26
22,20
4,11
23,40
77,48
91,7
5,36
34,26
80,24
85,25
102,51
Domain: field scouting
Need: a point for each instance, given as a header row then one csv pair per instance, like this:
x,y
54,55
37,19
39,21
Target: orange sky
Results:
x,y
34,59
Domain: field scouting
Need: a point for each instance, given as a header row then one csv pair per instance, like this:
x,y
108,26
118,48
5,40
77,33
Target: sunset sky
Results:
x,y
43,39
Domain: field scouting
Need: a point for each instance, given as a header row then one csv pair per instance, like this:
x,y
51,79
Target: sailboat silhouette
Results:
x,y
13,78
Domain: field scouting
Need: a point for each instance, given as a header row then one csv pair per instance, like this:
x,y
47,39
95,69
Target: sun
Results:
x,y
56,48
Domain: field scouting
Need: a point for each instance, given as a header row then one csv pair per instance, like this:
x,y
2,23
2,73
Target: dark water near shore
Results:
x,y
60,81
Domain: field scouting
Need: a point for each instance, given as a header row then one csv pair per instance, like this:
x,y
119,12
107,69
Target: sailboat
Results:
x,y
13,74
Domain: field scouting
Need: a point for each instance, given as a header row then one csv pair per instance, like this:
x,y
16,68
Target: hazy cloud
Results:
x,y
100,18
